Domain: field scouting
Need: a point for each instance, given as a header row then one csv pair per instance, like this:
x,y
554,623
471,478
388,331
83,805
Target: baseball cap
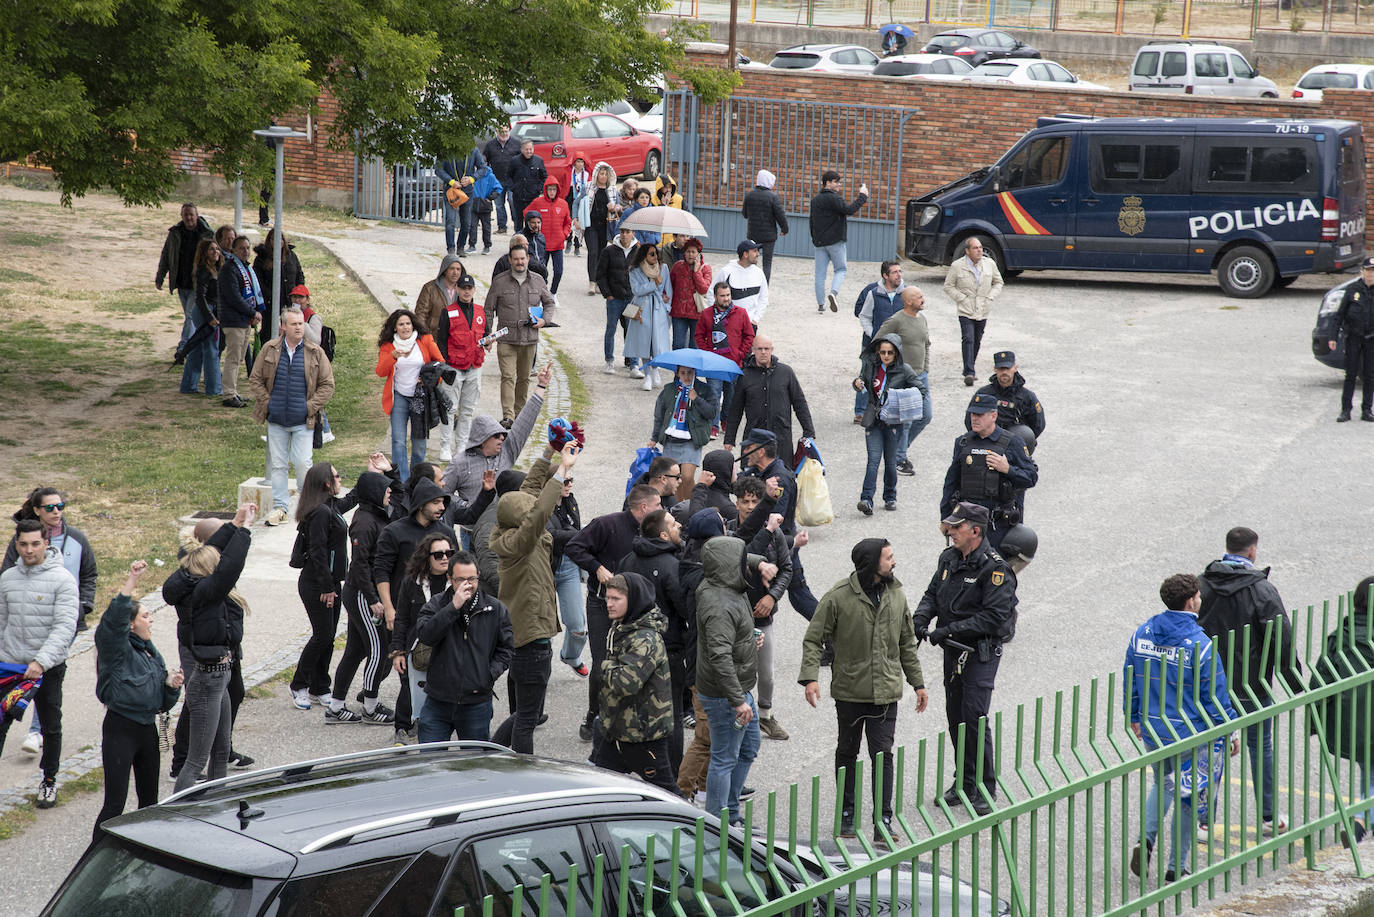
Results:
x,y
967,512
746,245
467,280
299,290
1366,263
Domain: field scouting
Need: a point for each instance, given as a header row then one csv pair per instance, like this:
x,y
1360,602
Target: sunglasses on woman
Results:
x,y
53,507
445,555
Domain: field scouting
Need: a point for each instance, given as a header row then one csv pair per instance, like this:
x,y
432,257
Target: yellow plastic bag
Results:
x,y
813,496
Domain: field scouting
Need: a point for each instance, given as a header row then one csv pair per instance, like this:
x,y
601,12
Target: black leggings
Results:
x,y
312,669
367,640
127,746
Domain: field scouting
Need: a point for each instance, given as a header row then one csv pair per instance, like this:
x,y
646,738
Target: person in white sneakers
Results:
x,y
39,604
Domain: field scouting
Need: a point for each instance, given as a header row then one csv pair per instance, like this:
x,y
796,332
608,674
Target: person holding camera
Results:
x,y
133,683
969,610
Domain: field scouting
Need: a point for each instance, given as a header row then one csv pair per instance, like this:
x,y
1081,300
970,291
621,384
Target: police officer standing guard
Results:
x,y
971,600
991,467
1018,410
1355,319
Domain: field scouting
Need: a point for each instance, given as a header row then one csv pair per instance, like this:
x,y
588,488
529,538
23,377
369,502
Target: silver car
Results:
x,y
826,59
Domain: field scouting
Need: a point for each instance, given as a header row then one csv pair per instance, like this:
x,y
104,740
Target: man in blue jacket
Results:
x,y
1177,690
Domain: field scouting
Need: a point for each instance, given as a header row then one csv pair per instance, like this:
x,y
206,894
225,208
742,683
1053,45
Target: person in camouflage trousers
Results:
x,y
636,692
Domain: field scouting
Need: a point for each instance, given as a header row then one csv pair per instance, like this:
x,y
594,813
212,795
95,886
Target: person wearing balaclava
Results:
x,y
867,617
636,691
765,216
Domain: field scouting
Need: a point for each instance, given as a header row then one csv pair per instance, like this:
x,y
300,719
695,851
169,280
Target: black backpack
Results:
x,y
327,340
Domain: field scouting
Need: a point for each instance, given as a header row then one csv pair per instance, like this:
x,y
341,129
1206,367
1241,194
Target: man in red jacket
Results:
x,y
557,226
724,329
458,333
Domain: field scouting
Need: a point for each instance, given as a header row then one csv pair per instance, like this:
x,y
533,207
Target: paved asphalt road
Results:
x,y
1173,414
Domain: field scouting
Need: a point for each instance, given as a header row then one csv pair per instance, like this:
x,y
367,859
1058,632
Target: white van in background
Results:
x,y
1198,68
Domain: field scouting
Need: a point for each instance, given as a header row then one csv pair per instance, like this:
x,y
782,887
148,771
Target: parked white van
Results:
x,y
1198,68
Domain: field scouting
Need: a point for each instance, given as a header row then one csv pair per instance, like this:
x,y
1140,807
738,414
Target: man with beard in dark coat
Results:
x,y
397,541
1237,595
1018,408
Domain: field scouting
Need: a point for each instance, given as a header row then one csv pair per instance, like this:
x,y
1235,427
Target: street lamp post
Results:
x,y
277,135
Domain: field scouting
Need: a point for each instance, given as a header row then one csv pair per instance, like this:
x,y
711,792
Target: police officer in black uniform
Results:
x,y
991,467
1018,410
1355,319
971,601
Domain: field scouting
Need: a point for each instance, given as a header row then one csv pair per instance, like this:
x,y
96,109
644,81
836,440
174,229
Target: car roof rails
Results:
x,y
301,769
1062,118
1175,41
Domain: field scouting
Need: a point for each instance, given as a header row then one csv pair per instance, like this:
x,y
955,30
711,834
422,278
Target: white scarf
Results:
x,y
404,345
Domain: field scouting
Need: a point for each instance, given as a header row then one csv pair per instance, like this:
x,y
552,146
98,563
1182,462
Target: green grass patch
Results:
x,y
578,396
271,686
10,275
23,237
13,822
131,302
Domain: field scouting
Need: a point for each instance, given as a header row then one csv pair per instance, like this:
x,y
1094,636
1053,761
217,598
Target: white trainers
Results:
x,y
446,455
327,436
300,698
33,743
609,368
276,517
648,385
636,372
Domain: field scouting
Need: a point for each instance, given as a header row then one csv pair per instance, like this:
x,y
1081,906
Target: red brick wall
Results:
x,y
962,126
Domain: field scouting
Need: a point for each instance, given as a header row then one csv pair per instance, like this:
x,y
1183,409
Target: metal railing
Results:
x,y
1069,811
1161,18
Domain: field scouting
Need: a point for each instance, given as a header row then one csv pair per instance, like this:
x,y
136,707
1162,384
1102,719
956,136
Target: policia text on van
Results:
x,y
1258,201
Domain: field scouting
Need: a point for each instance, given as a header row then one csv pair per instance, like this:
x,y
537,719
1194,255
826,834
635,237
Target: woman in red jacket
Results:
x,y
404,347
691,278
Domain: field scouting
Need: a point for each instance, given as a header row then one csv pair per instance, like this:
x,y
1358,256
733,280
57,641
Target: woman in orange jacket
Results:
x,y
403,348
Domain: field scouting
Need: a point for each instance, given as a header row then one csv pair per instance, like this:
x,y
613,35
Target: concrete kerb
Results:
x,y
557,403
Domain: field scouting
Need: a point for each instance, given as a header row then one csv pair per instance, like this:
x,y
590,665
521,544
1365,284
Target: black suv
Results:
x,y
425,829
978,45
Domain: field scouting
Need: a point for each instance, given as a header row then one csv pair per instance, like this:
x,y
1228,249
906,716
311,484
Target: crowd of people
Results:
x,y
460,576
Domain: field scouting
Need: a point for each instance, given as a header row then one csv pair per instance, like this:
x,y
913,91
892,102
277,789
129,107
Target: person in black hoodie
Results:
x,y
321,554
613,281
691,772
397,541
366,633
426,575
714,488
209,626
1237,595
472,643
654,556
598,548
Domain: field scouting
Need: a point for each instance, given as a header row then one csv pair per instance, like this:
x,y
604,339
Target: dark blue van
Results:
x,y
1258,201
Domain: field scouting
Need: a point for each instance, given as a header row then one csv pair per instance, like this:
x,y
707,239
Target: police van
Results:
x,y
1258,201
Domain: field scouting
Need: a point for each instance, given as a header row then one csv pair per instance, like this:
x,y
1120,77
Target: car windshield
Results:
x,y
119,880
787,61
539,131
899,68
946,43
994,69
1329,81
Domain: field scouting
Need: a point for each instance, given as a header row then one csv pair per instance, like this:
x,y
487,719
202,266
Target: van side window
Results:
x,y
1352,158
1040,162
1210,64
1261,165
1175,63
1146,63
1125,165
1240,68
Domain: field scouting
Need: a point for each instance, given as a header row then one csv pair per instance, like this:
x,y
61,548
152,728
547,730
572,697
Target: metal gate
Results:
x,y
410,192
716,151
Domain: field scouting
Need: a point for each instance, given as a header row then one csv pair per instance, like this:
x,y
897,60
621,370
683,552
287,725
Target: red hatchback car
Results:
x,y
594,136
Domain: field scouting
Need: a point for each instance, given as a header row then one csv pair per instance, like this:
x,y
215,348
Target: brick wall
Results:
x,y
962,126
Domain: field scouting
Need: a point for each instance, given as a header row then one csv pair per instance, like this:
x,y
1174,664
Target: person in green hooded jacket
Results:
x,y
1345,717
133,683
636,690
867,617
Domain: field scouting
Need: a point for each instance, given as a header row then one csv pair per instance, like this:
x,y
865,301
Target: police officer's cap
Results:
x,y
1366,264
967,512
758,436
982,404
1003,359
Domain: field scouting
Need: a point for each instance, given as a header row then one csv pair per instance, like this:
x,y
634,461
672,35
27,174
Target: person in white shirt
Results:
x,y
748,285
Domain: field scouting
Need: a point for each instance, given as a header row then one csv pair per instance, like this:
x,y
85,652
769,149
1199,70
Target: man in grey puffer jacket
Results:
x,y
493,446
39,603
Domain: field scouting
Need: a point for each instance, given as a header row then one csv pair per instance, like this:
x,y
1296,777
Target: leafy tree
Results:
x,y
104,91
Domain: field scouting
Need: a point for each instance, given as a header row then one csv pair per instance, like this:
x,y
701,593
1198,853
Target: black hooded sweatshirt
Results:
x,y
368,521
398,540
1233,596
865,556
719,494
657,561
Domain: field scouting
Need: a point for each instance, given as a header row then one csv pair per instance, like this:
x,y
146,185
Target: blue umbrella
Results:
x,y
897,27
707,364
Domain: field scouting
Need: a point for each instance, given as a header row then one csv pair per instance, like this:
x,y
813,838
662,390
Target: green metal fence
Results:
x,y
1069,811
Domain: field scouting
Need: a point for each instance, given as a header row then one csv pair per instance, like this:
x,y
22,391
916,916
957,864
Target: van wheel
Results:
x,y
1245,272
652,163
